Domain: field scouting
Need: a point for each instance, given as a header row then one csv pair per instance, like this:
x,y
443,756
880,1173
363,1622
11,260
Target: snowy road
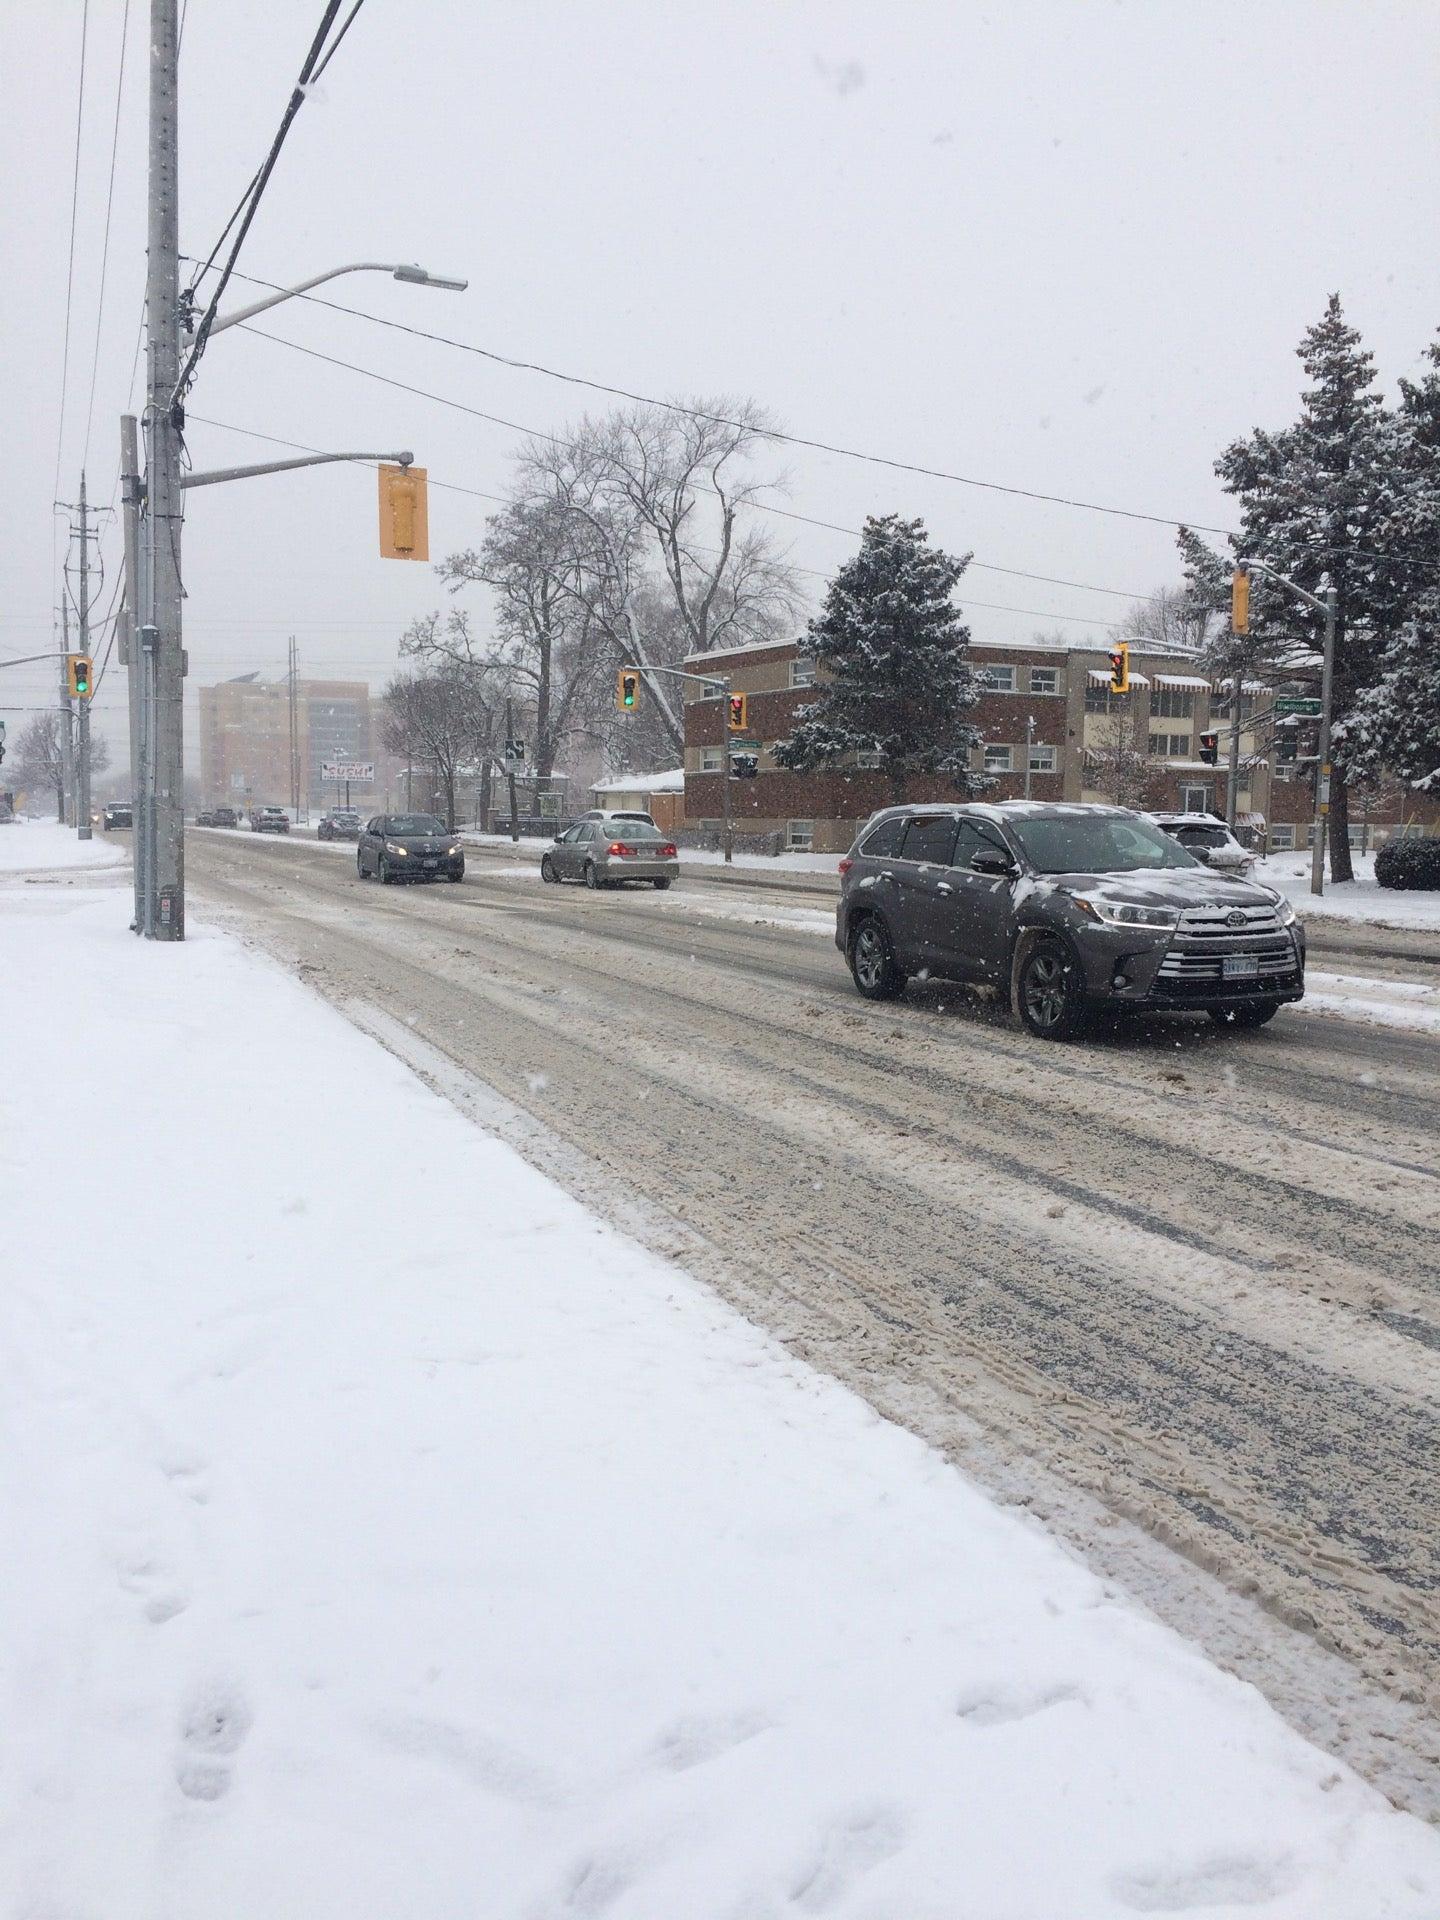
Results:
x,y
1175,1289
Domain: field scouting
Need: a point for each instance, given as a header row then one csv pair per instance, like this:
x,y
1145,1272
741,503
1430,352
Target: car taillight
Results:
x,y
667,852
617,846
845,866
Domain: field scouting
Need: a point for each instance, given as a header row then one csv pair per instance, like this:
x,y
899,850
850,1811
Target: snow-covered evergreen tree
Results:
x,y
1318,500
1395,723
896,676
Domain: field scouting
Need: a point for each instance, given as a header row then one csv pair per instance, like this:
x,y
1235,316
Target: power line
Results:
x,y
256,192
105,248
70,268
724,420
815,573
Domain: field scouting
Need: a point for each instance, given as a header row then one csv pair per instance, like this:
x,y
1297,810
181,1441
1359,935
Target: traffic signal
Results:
x,y
404,513
1120,668
627,691
1240,601
1210,748
737,713
79,675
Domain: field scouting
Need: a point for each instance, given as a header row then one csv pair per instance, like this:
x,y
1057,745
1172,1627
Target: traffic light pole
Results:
x,y
1327,605
1232,776
510,772
67,731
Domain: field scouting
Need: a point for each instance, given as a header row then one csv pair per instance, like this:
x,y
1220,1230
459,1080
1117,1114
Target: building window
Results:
x,y
1002,679
997,759
1195,799
712,759
800,835
868,758
1170,746
802,673
710,826
1172,703
1044,679
1282,839
1042,757
1098,697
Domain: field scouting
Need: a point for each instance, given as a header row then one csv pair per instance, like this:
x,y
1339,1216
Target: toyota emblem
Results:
x,y
1235,919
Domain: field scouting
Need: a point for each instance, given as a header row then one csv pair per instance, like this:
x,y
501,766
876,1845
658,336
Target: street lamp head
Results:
x,y
420,278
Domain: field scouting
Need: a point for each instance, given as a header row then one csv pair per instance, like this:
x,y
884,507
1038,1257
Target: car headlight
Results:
x,y
1284,912
391,847
1120,913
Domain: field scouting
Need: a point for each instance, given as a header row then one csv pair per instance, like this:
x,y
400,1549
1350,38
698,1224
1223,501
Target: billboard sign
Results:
x,y
362,772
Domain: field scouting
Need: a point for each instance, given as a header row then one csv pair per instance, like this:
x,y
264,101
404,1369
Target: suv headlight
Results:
x,y
392,847
1120,913
1284,912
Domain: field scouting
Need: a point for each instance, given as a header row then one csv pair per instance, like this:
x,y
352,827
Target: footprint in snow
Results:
x,y
996,1706
693,1741
151,1582
851,1846
1222,1880
213,1727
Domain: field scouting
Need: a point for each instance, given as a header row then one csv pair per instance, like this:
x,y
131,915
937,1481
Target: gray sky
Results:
x,y
1068,247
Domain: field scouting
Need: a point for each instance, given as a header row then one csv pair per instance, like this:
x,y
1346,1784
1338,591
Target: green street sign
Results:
x,y
1287,706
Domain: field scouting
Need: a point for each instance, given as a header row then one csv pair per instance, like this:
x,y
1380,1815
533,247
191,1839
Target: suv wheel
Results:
x,y
1046,993
382,871
872,961
1254,1013
359,864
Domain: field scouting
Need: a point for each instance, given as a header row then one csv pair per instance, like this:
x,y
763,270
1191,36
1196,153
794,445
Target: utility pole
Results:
x,y
1232,776
510,768
82,793
67,762
294,731
164,916
131,493
1322,768
726,811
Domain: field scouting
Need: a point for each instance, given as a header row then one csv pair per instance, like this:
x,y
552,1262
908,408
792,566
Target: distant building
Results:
x,y
1078,731
245,741
661,795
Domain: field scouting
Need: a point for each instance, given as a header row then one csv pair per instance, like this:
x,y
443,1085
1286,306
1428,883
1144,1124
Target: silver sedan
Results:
x,y
603,853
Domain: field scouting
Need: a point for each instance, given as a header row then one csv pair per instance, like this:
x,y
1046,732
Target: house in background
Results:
x,y
661,795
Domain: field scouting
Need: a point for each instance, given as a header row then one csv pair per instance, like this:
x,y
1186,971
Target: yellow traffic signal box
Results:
x,y
1240,601
404,513
1120,668
737,713
79,675
627,690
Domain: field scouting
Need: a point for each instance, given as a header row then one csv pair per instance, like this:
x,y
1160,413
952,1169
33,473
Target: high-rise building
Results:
x,y
245,740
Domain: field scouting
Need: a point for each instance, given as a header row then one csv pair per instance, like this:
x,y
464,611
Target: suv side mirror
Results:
x,y
997,863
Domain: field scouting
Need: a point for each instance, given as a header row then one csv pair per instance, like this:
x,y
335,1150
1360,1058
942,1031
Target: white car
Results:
x,y
1208,838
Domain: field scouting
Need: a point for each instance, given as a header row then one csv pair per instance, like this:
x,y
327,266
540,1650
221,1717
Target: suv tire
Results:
x,y
1254,1013
1045,991
872,960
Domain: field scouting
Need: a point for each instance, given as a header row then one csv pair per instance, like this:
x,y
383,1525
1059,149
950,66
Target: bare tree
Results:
x,y
439,715
1170,620
1118,760
39,763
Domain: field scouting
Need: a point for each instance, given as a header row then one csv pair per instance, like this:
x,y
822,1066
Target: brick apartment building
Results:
x,y
1076,721
245,740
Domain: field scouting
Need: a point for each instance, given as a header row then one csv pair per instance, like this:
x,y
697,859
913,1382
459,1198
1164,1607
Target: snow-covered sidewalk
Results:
x,y
40,846
1361,899
386,1536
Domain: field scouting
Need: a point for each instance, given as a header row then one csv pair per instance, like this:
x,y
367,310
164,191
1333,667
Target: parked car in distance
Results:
x,y
225,817
599,813
409,846
118,813
1065,910
606,849
340,823
1208,838
269,820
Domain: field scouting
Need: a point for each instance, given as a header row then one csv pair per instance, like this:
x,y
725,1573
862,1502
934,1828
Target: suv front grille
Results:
x,y
1205,937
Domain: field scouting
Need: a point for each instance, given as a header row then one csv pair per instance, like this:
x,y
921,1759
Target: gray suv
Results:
x,y
1065,909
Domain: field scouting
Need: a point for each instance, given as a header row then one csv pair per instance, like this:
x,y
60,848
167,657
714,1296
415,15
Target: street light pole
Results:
x,y
415,276
1029,744
82,781
1328,606
131,494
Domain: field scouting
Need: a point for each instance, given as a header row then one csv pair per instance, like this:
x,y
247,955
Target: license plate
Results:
x,y
435,863
1240,966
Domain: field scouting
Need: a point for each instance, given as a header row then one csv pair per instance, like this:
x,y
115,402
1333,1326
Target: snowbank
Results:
x,y
40,846
386,1536
1359,899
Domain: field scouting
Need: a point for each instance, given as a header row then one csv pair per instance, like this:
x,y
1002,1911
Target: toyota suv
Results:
x,y
1065,910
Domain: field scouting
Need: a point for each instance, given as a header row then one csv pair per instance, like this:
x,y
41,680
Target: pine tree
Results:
x,y
892,647
1318,500
1395,724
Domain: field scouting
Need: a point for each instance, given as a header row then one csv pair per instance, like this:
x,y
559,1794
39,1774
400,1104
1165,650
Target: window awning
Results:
x,y
1100,677
1187,680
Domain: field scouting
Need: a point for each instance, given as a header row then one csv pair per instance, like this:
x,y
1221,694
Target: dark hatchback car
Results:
x,y
1066,910
409,846
340,823
118,813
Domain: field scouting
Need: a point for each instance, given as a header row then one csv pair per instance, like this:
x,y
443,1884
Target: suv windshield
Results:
x,y
1097,843
413,823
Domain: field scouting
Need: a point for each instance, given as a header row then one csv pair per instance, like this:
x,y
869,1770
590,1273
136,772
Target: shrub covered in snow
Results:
x,y
1413,865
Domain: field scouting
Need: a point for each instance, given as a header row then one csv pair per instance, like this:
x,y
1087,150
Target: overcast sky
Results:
x,y
1065,247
